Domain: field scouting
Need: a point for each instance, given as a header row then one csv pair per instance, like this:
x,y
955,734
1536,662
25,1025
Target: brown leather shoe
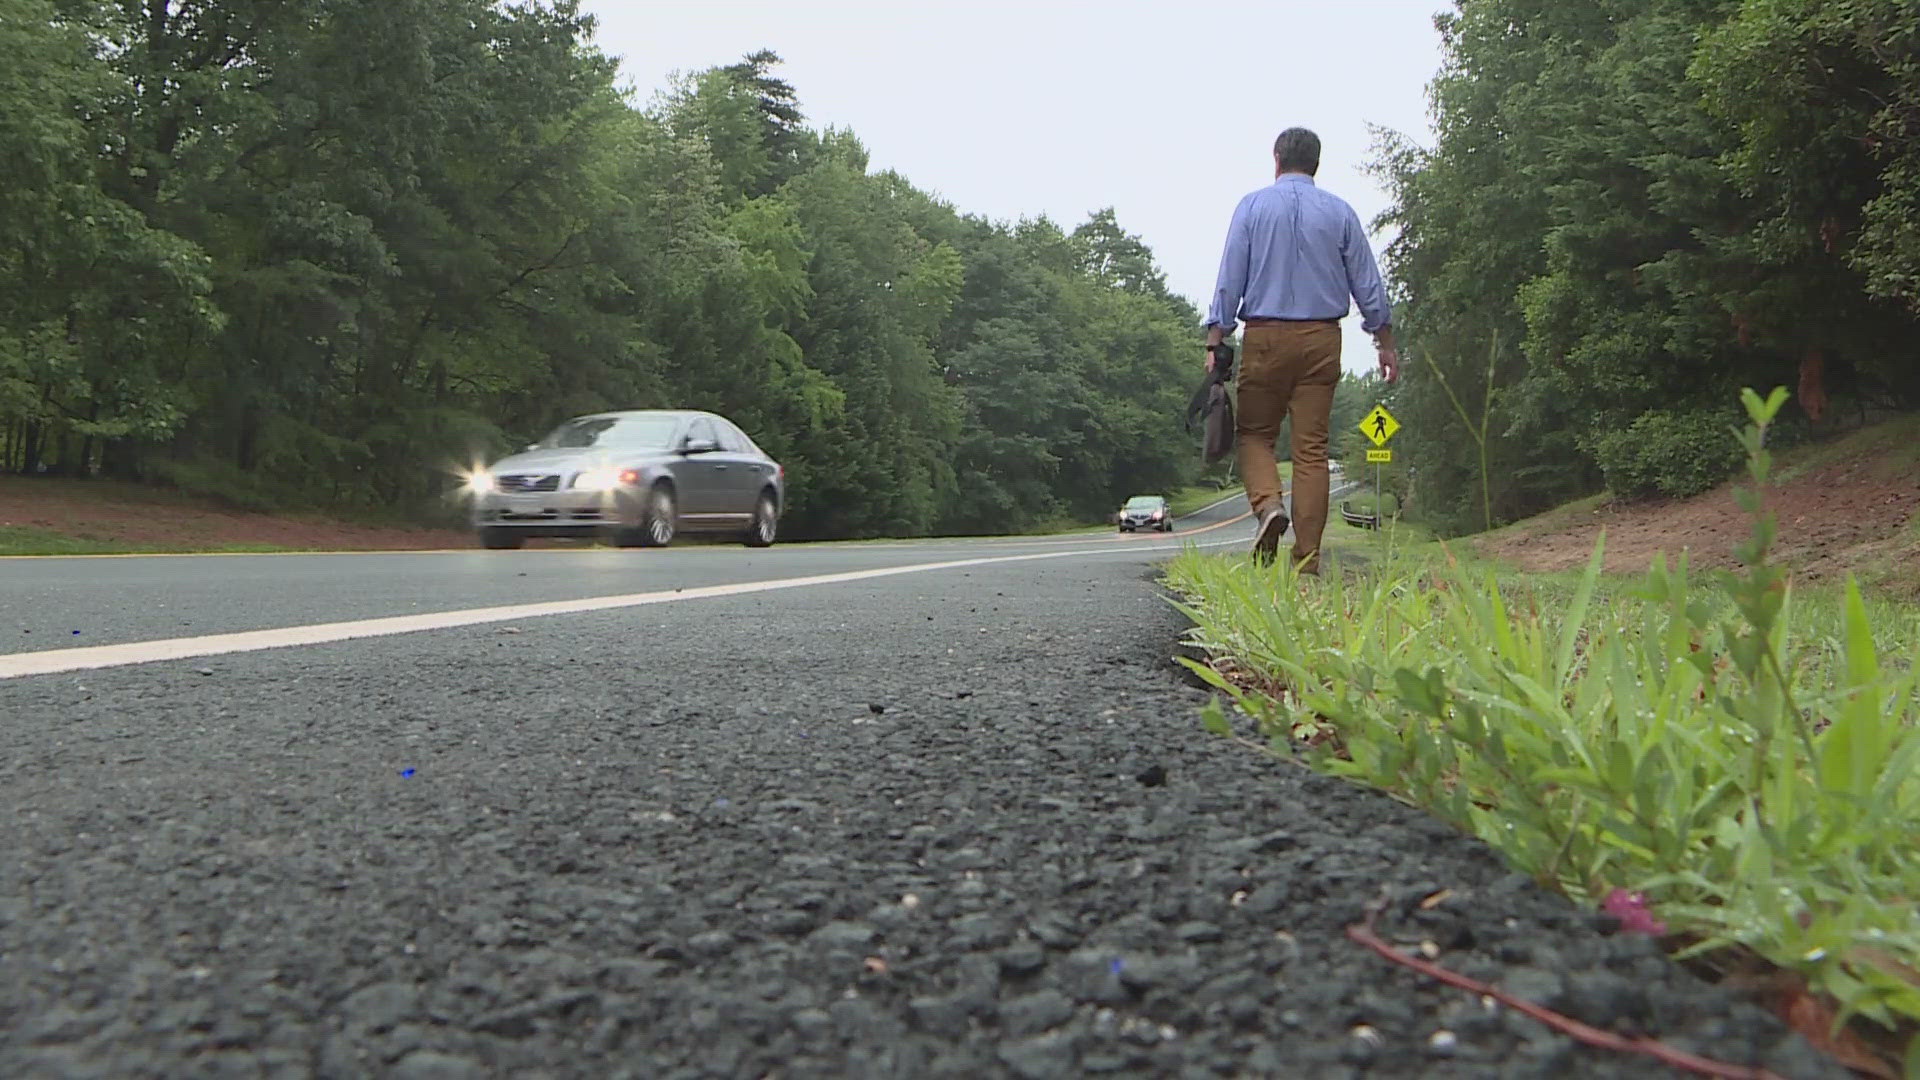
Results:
x,y
1266,540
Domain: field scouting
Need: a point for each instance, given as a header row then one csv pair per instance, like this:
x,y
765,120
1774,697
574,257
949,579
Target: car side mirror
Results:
x,y
699,446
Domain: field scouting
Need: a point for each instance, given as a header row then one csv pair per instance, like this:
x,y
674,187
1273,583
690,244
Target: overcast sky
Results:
x,y
1165,110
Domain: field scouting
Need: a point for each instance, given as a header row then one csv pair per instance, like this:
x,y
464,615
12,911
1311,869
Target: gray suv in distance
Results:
x,y
639,478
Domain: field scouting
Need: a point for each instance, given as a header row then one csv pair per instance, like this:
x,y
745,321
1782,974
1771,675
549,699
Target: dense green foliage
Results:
x,y
331,252
1664,453
1634,207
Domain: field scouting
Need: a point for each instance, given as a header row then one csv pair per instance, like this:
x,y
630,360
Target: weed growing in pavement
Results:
x,y
1751,766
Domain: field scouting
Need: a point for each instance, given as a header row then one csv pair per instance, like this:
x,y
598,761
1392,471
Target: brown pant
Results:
x,y
1289,369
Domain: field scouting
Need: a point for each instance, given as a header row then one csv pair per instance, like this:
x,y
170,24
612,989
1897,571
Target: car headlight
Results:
x,y
479,482
597,480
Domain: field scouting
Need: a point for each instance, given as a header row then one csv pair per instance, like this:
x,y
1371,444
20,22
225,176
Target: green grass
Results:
x,y
1399,537
1568,721
1564,516
1188,500
1893,446
1744,754
21,540
1200,496
1362,502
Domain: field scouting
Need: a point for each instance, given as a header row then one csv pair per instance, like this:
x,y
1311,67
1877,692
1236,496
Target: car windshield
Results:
x,y
1143,502
624,432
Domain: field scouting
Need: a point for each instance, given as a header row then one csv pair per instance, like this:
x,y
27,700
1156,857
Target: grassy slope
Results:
x,y
22,540
1867,523
1189,499
56,516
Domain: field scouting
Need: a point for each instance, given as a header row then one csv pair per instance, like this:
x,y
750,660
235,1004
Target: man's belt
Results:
x,y
1290,322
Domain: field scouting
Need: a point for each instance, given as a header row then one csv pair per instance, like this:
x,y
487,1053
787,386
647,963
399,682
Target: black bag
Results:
x,y
1214,406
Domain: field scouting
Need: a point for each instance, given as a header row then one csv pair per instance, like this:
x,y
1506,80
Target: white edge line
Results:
x,y
55,661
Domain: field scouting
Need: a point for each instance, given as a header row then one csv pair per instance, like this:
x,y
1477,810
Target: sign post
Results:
x,y
1379,426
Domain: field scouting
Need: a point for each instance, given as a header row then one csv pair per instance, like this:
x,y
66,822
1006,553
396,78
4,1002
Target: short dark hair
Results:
x,y
1298,150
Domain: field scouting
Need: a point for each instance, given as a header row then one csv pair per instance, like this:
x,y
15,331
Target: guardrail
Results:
x,y
1364,519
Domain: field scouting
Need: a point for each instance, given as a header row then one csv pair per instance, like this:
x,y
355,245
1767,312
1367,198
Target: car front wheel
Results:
x,y
662,518
766,522
657,522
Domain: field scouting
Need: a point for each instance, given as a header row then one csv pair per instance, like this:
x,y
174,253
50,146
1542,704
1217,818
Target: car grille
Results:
x,y
527,482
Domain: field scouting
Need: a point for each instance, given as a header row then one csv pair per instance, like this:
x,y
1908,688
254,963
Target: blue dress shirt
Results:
x,y
1297,252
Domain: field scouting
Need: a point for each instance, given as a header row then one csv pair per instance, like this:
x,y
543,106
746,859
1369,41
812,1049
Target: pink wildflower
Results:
x,y
1632,911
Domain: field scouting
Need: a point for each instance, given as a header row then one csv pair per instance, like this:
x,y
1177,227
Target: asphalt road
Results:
x,y
904,810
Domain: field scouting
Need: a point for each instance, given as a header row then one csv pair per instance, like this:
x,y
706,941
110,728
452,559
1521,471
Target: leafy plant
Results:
x,y
1477,431
1748,765
1676,454
1608,191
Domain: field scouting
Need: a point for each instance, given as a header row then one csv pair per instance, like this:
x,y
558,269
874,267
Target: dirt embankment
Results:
x,y
1851,506
99,515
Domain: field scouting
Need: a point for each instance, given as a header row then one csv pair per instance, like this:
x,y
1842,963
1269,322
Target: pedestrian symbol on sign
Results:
x,y
1379,425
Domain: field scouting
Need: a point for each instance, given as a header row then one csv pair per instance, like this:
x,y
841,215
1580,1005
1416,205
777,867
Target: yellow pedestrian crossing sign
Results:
x,y
1379,425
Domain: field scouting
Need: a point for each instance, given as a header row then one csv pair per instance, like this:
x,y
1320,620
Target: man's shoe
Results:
x,y
1266,541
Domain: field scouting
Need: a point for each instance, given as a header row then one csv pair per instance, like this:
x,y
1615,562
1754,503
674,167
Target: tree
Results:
x,y
330,253
1610,199
783,139
1114,257
98,304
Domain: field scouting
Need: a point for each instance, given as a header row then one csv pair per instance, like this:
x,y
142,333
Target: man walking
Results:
x,y
1294,256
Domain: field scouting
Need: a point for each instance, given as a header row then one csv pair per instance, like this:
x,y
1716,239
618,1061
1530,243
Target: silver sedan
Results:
x,y
640,478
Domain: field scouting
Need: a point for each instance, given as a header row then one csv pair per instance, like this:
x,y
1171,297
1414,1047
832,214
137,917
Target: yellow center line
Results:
x,y
1078,538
